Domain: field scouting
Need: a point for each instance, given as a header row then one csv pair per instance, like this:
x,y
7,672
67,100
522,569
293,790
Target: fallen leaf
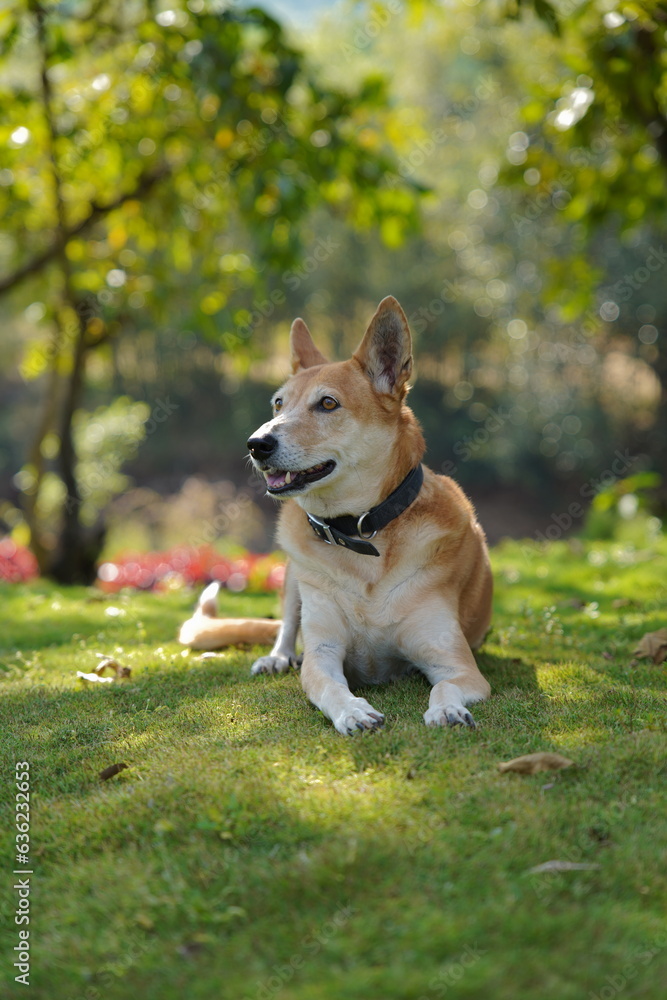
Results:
x,y
107,664
531,763
111,770
144,921
190,949
653,645
94,678
195,943
562,866
110,664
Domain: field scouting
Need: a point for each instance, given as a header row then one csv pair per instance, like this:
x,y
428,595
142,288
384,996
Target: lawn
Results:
x,y
250,852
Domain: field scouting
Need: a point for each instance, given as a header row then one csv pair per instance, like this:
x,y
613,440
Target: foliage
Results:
x,y
623,510
595,143
105,440
143,150
216,108
222,861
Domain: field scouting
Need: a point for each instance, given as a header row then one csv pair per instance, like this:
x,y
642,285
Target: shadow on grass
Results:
x,y
71,734
507,673
221,703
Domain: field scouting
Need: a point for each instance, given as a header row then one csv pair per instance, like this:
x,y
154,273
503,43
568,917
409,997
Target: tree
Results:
x,y
157,168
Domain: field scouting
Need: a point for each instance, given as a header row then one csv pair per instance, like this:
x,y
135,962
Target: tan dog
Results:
x,y
341,442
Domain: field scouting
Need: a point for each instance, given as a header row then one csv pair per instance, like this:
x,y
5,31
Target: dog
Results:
x,y
388,569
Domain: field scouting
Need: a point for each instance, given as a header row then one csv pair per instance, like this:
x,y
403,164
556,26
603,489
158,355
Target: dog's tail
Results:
x,y
206,631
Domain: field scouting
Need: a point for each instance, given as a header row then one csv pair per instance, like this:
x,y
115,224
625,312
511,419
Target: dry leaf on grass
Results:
x,y
562,866
531,763
108,663
653,645
111,770
623,602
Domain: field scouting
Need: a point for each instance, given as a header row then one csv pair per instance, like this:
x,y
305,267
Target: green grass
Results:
x,y
249,851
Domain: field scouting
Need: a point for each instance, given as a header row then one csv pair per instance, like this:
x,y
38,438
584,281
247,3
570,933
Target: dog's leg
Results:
x,y
325,684
283,655
325,637
444,657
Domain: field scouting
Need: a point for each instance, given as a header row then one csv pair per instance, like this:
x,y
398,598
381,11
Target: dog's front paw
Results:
x,y
450,715
274,663
358,715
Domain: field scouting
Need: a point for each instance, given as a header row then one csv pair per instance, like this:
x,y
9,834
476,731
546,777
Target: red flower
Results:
x,y
17,564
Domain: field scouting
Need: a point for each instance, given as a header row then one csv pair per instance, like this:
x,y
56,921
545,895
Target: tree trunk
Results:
x,y
78,547
77,550
36,462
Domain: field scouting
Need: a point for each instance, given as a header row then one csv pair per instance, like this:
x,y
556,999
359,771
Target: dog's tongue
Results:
x,y
275,480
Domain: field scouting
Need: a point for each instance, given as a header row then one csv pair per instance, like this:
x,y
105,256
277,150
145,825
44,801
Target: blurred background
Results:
x,y
179,180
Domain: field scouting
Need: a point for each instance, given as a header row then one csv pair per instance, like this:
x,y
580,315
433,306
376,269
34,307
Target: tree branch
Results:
x,y
97,211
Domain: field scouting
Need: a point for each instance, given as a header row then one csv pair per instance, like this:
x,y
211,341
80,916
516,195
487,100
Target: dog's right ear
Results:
x,y
304,352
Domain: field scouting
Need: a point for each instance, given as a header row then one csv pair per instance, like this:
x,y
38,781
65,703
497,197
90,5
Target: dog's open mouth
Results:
x,y
280,481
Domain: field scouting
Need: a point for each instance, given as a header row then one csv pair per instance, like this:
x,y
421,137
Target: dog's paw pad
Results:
x,y
358,716
450,715
271,664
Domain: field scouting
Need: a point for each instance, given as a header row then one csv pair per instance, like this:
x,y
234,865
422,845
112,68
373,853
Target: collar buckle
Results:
x,y
322,529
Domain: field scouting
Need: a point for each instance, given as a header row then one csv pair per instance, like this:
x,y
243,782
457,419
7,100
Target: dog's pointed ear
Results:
x,y
304,352
385,353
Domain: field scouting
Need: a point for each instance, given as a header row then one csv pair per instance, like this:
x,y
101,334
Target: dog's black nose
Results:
x,y
262,447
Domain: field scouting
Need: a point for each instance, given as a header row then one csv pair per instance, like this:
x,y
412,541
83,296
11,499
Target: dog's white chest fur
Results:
x,y
375,608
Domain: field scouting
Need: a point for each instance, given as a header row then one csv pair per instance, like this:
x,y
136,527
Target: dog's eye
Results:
x,y
329,403
277,404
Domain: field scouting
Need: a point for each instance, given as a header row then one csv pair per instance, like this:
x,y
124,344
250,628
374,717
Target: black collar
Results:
x,y
338,530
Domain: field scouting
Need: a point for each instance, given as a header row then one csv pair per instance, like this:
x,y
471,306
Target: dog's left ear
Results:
x,y
385,353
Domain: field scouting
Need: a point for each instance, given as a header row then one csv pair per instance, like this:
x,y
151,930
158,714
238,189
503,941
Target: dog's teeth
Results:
x,y
288,478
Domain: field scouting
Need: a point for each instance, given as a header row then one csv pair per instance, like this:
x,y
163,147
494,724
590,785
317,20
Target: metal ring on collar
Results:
x,y
366,538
